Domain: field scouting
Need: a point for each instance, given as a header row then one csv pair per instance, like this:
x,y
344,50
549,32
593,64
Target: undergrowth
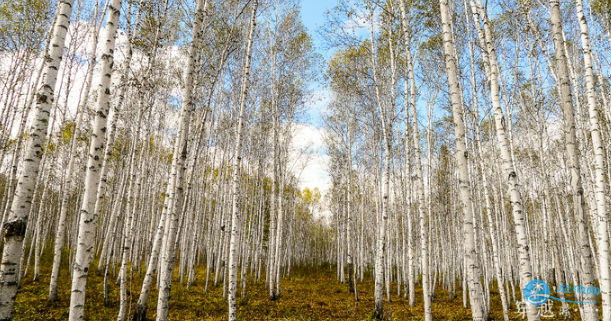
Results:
x,y
308,294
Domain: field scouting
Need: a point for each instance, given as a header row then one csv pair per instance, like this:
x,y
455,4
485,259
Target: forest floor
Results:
x,y
308,294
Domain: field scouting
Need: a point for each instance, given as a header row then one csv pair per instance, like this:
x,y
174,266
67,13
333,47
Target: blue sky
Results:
x,y
315,173
313,15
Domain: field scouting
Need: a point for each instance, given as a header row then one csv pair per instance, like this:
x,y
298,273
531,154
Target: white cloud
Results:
x,y
310,162
307,136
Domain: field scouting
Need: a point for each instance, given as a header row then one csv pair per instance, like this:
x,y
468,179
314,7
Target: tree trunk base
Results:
x,y
378,314
140,313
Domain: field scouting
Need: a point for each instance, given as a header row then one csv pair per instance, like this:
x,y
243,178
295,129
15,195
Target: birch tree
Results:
x,y
385,114
492,71
602,237
14,227
177,176
59,237
566,101
235,219
87,221
473,270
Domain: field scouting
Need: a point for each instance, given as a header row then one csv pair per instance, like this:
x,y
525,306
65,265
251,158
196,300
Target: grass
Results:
x,y
309,294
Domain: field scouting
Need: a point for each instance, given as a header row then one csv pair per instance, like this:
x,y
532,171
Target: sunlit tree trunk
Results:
x,y
128,221
235,172
279,223
177,175
566,101
88,221
473,270
418,171
111,133
380,236
602,241
492,72
489,211
61,224
15,226
270,277
349,209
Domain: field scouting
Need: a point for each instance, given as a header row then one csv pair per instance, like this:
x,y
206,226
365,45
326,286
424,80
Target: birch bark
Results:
x,y
418,169
15,226
111,132
88,219
61,224
235,172
566,101
599,166
128,227
380,250
473,270
177,176
492,72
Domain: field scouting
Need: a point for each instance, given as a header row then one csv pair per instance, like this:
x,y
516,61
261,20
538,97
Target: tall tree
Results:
x,y
566,101
15,226
411,105
235,173
88,221
602,237
174,205
492,71
385,116
61,224
473,270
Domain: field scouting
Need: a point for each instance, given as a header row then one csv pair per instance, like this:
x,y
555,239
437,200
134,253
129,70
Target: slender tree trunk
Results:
x,y
61,224
177,176
349,241
473,270
235,172
418,168
566,100
270,262
279,226
599,166
88,219
128,223
15,226
492,71
380,250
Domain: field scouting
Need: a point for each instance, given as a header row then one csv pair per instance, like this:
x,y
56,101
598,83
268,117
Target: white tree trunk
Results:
x,y
61,224
88,219
177,176
473,270
15,226
349,208
129,219
566,101
602,241
488,207
380,247
110,136
418,168
492,72
235,219
279,226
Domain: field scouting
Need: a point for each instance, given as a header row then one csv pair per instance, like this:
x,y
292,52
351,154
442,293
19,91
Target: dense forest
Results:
x,y
152,164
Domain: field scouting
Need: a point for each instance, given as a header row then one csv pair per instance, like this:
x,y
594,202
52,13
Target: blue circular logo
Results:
x,y
536,292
